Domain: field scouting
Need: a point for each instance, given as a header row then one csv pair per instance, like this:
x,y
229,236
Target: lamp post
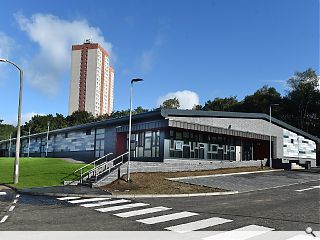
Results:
x,y
270,153
47,138
10,145
29,142
130,116
16,160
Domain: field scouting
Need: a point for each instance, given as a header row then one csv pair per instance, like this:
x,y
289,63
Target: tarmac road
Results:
x,y
288,208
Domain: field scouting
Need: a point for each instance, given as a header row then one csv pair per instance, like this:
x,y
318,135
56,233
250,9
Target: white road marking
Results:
x,y
99,204
188,227
3,193
11,208
126,206
142,212
15,201
4,219
88,200
18,195
168,217
306,189
303,237
241,233
68,198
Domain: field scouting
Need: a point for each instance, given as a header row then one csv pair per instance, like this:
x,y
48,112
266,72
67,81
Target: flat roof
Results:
x,y
218,114
165,113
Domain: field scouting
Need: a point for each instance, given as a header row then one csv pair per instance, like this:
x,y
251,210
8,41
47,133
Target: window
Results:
x,y
145,144
171,133
214,148
99,149
178,145
292,141
88,132
66,135
185,135
178,135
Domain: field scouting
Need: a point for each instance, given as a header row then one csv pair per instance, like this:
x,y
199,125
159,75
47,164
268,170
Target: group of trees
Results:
x,y
299,107
6,130
39,123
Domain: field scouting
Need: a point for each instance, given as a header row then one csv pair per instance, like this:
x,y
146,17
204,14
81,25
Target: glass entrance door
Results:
x,y
99,144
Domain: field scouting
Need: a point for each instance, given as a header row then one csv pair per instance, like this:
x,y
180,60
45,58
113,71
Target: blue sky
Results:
x,y
196,50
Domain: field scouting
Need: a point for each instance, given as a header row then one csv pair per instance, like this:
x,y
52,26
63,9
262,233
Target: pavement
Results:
x,y
234,183
253,181
287,208
65,191
290,208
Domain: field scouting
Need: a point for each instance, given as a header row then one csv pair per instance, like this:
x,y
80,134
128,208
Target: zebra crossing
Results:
x,y
126,208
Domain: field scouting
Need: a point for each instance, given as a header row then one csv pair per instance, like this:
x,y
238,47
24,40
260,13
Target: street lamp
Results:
x,y
16,160
130,115
270,156
47,139
29,143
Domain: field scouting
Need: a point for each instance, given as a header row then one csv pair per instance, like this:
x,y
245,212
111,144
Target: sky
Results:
x,y
190,49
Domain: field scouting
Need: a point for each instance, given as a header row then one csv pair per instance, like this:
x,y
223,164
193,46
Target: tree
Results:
x,y
139,110
122,113
227,104
172,103
303,101
37,124
79,117
260,101
197,107
6,130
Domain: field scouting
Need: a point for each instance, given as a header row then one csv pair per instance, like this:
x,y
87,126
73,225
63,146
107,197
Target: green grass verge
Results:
x,y
38,172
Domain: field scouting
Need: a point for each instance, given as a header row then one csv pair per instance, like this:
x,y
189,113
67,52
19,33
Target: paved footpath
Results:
x,y
251,215
253,181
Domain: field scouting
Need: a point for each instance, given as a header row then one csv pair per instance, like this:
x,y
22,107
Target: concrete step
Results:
x,y
295,166
71,183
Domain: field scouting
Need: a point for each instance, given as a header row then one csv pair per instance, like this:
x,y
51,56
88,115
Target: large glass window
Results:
x,y
99,151
195,145
145,144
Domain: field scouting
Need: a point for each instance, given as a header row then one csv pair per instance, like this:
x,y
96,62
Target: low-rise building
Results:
x,y
167,135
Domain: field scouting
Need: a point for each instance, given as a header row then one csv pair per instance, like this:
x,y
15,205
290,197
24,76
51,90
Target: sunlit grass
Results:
x,y
38,172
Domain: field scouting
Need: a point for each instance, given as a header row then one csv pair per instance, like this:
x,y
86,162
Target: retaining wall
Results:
x,y
173,165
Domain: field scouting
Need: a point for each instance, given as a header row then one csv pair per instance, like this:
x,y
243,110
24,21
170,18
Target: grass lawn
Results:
x,y
38,172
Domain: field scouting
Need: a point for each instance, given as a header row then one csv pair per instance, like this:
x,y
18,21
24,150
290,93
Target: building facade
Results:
x,y
92,80
178,135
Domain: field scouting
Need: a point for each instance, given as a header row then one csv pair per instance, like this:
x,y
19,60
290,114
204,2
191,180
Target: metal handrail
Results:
x,y
93,162
94,170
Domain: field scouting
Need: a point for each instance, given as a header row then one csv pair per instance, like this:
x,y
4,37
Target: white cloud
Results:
x,y
26,117
146,61
6,45
54,37
6,48
148,56
187,99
